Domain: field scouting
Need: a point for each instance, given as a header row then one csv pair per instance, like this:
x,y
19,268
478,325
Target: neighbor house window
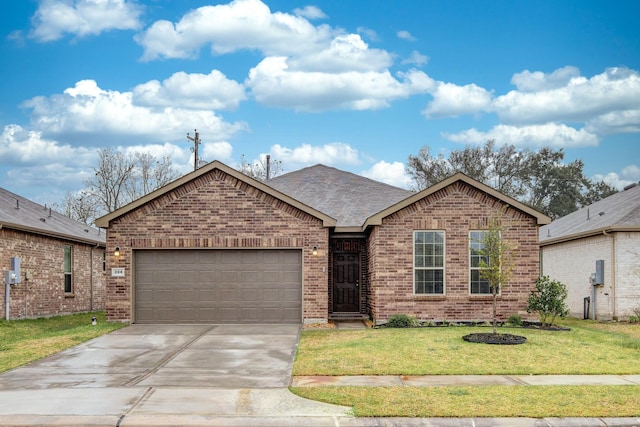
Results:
x,y
68,269
428,262
104,261
476,245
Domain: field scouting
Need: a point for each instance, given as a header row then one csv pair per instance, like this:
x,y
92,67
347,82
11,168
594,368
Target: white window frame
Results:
x,y
473,241
423,268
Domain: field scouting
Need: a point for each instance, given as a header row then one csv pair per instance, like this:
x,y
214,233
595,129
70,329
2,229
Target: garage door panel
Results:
x,y
218,286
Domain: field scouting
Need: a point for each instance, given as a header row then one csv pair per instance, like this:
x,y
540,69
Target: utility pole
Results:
x,y
194,150
268,167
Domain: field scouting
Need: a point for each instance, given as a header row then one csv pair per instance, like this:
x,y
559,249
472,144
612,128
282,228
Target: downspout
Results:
x,y
613,272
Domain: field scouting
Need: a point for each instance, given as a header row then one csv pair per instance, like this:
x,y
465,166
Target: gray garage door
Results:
x,y
218,286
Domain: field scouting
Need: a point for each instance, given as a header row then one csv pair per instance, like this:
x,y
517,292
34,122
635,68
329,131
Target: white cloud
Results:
x,y
346,52
18,145
626,121
96,116
416,58
405,35
450,100
241,24
83,17
273,84
547,109
191,91
211,151
310,12
549,134
537,81
389,173
35,161
580,99
628,175
335,153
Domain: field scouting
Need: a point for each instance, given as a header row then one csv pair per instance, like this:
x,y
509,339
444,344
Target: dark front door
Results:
x,y
346,282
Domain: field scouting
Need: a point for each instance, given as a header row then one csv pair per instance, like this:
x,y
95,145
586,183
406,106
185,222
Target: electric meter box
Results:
x,y
599,276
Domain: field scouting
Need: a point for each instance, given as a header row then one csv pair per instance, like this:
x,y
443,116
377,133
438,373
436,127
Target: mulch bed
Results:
x,y
491,338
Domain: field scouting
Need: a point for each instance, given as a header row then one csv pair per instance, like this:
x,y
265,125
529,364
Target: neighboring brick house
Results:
x,y
61,260
311,245
608,230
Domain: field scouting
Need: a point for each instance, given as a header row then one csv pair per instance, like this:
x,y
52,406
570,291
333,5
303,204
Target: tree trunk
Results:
x,y
495,316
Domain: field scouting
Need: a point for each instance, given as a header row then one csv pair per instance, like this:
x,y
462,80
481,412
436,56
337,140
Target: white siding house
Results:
x,y
608,230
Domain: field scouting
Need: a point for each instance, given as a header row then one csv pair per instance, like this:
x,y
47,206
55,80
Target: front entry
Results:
x,y
346,282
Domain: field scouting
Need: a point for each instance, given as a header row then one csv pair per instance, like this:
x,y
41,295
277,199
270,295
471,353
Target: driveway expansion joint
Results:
x,y
168,358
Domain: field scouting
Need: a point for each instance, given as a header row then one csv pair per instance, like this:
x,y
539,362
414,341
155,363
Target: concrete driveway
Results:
x,y
164,375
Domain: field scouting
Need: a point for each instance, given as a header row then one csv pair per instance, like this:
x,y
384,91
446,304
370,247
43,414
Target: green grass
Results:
x,y
485,401
24,341
589,348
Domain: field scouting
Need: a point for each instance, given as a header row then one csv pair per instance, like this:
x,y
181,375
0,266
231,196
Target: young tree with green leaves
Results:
x,y
496,261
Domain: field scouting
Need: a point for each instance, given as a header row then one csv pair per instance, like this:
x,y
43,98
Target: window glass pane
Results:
x,y
67,283
429,262
478,285
67,259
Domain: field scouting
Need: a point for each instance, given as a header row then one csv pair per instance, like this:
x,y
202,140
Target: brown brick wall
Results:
x,y
457,210
44,295
217,211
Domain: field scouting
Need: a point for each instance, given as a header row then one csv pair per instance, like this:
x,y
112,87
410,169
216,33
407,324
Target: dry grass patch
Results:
x,y
485,401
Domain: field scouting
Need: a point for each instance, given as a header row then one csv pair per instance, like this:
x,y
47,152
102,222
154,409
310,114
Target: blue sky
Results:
x,y
358,85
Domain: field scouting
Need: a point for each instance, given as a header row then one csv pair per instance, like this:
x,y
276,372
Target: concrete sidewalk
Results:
x,y
460,380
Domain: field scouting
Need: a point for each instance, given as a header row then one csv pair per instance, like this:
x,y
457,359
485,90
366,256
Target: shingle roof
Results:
x,y
19,213
620,211
347,197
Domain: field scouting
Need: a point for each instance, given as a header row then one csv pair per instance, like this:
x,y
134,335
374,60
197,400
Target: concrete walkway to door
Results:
x,y
164,375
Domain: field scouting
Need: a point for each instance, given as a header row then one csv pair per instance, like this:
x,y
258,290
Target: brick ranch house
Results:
x,y
61,261
311,245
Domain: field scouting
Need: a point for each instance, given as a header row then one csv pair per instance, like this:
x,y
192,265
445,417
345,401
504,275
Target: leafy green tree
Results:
x,y
496,262
548,300
539,179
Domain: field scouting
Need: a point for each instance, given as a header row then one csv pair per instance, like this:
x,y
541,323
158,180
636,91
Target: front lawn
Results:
x,y
589,348
24,341
482,401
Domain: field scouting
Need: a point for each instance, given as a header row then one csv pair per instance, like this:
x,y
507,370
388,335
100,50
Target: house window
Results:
x,y
428,262
104,261
476,245
68,269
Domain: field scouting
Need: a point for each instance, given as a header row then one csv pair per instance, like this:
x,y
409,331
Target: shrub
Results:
x,y
548,300
401,321
514,320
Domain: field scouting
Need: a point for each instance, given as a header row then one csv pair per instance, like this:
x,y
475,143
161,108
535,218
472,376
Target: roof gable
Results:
x,y
378,217
22,214
348,197
618,212
105,221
